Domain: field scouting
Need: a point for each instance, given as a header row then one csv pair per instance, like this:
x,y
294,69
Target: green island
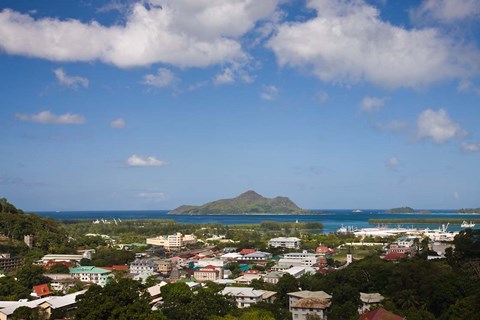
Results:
x,y
400,210
469,210
248,202
412,287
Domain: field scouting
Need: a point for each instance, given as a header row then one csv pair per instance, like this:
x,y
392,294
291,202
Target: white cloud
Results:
x,y
152,196
70,81
347,42
438,126
371,104
269,92
225,77
394,125
322,97
471,147
163,78
150,161
468,86
118,123
46,117
392,163
445,11
182,33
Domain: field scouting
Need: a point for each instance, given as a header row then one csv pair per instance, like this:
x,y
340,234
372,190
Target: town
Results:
x,y
248,272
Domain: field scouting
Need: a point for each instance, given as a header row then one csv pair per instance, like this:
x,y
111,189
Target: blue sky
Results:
x,y
156,103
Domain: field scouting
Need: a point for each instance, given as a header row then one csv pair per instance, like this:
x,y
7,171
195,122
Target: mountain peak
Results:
x,y
250,194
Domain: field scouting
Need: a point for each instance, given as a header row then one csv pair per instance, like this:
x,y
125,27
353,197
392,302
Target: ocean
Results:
x,y
331,219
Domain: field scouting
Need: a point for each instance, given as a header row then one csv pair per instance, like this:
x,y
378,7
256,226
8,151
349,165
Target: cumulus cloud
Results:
x,y
348,42
46,117
163,78
371,104
150,161
70,81
445,11
269,92
392,163
225,77
182,33
471,147
118,123
152,196
437,126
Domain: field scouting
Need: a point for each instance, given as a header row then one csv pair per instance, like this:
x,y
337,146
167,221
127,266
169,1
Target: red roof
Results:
x,y
42,290
321,249
380,314
394,256
247,251
251,272
116,267
52,263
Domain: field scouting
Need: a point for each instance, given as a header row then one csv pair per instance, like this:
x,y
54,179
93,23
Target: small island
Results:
x,y
469,211
248,202
400,210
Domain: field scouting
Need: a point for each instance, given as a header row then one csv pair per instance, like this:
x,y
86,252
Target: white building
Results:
x,y
299,259
143,265
245,297
91,274
257,256
303,303
173,242
285,242
370,301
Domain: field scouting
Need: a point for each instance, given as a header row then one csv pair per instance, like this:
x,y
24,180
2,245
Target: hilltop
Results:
x,y
247,202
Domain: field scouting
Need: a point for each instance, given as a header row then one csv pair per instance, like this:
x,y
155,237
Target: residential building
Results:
x,y
172,242
303,303
396,248
49,258
9,263
245,296
91,274
164,266
297,272
247,278
272,277
60,282
64,303
143,265
285,242
370,301
208,273
210,261
299,259
41,291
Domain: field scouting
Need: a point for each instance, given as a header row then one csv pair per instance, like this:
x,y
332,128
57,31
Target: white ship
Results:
x,y
465,224
357,211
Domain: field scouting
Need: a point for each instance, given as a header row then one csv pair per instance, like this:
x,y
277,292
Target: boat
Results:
x,y
347,229
465,224
357,211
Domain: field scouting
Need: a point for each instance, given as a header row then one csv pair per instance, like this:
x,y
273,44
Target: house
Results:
x,y
247,251
285,242
272,277
247,278
91,274
62,258
60,282
370,301
245,296
41,291
208,273
64,303
297,272
380,314
394,256
324,250
303,303
143,265
143,276
164,266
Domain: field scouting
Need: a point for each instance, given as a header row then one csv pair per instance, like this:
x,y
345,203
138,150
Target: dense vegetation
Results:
x,y
401,210
247,202
469,210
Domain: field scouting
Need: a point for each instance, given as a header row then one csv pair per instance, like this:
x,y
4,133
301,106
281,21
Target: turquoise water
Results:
x,y
331,219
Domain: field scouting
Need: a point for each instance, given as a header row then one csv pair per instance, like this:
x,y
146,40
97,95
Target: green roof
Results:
x,y
89,269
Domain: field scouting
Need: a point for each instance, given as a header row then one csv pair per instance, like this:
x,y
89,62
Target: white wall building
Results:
x,y
306,302
299,259
285,242
245,297
172,242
